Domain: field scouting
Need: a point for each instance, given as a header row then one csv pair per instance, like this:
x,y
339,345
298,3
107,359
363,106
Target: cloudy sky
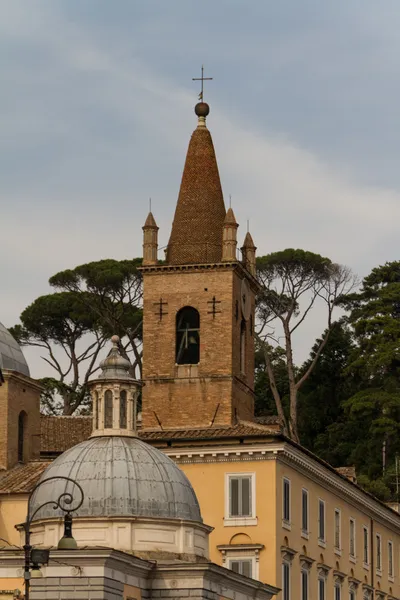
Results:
x,y
96,110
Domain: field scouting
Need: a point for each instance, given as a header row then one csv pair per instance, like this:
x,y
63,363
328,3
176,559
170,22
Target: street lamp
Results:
x,y
35,557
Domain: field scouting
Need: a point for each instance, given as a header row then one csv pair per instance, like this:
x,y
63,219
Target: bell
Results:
x,y
192,339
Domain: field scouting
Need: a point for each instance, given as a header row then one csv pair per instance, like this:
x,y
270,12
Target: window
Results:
x,y
240,496
378,552
96,410
366,546
352,595
304,584
188,336
285,581
321,588
243,346
390,559
243,566
337,529
321,520
337,591
122,409
21,434
352,538
286,500
108,409
304,511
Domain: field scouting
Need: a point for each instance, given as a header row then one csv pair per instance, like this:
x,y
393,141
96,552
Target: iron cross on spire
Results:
x,y
202,79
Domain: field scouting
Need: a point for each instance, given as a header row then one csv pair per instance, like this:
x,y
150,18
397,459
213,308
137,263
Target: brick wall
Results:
x,y
19,394
182,396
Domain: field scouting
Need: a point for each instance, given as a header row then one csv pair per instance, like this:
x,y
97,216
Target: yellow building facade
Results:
x,y
281,515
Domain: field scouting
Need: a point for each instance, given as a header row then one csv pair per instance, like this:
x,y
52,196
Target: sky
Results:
x,y
96,112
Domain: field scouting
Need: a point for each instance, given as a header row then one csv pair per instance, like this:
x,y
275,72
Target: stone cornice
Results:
x,y
28,381
192,268
296,458
216,574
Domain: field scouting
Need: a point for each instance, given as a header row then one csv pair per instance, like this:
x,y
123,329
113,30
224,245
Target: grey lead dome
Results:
x,y
120,476
11,356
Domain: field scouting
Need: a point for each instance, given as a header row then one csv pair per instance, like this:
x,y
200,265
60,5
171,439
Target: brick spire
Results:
x,y
196,235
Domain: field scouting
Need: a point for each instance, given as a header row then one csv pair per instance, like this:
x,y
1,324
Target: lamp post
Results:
x,y
65,502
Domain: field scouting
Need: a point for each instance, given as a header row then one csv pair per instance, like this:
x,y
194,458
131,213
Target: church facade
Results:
x,y
265,509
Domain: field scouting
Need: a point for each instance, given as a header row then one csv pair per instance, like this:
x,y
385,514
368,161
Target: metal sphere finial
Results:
x,y
202,109
115,339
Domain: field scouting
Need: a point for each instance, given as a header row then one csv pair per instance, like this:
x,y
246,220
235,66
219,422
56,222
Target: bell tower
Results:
x,y
198,307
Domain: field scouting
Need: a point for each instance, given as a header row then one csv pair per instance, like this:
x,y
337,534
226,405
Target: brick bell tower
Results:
x,y
198,307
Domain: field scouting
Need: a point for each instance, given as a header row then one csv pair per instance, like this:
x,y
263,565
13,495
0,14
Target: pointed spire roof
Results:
x,y
248,242
230,218
196,235
150,222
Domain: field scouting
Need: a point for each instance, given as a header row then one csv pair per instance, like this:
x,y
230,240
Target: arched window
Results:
x,y
243,346
21,435
122,409
187,336
96,410
108,409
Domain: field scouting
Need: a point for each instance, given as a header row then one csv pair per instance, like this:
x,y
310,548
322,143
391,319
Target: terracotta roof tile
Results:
x,y
196,235
60,433
21,478
248,429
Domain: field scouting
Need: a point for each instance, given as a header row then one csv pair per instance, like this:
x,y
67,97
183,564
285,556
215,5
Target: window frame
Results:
x,y
337,531
286,516
108,402
321,539
182,334
352,522
241,559
286,591
366,551
378,540
321,579
233,521
390,560
305,530
305,577
337,590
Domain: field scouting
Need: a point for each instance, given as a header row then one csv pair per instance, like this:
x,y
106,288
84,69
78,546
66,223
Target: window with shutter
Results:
x,y
286,500
338,591
321,588
378,552
321,520
304,511
242,566
285,581
337,529
390,559
366,546
352,538
240,500
304,584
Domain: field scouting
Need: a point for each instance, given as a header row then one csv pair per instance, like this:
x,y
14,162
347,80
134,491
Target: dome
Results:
x,y
120,476
11,356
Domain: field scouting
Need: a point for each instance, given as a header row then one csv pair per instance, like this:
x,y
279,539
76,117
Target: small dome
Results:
x,y
11,356
115,366
120,476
